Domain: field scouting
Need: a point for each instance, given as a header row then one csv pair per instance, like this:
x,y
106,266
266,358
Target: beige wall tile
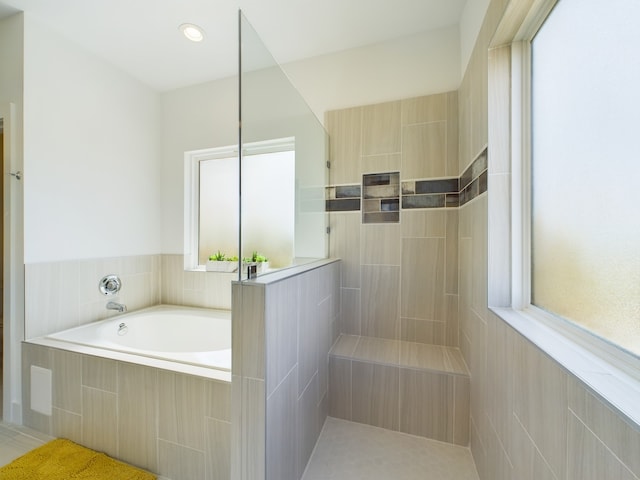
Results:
x,y
500,362
67,376
452,317
351,311
428,108
379,350
381,163
325,341
345,345
282,429
423,331
424,150
620,436
345,130
381,244
589,458
171,279
100,373
308,426
217,451
380,301
137,415
527,461
452,167
344,241
181,409
374,393
281,323
464,122
340,388
253,428
426,404
99,430
424,223
423,278
217,400
67,425
308,320
381,128
461,409
177,461
540,403
451,252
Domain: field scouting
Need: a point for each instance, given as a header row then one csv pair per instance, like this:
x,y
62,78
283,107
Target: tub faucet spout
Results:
x,y
120,307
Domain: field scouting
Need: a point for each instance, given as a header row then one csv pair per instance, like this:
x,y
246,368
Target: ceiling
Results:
x,y
142,36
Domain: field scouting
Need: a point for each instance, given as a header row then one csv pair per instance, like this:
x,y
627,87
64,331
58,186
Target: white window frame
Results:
x,y
192,161
609,371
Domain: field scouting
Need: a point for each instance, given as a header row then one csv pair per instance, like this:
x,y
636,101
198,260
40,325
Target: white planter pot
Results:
x,y
223,266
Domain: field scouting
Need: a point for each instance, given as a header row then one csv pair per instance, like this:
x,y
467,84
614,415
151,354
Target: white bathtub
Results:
x,y
185,339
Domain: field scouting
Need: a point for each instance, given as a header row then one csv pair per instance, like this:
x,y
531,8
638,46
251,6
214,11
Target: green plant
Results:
x,y
218,257
255,257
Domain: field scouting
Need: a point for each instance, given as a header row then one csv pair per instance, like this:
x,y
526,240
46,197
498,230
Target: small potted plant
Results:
x,y
259,260
220,262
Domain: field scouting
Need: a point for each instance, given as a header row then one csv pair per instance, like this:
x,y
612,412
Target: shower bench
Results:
x,y
409,387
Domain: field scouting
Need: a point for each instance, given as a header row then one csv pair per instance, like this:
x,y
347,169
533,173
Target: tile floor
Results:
x,y
16,441
352,451
345,451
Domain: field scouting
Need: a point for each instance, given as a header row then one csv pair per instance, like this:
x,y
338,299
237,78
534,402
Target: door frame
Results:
x,y
13,255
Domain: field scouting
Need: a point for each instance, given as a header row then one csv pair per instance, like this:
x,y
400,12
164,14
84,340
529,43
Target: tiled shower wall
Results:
x,y
399,280
530,418
60,295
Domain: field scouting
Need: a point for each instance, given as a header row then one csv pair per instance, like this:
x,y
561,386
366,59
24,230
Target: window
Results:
x,y
585,225
610,371
268,202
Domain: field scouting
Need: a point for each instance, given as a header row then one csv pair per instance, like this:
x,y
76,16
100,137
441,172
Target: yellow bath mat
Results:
x,y
62,459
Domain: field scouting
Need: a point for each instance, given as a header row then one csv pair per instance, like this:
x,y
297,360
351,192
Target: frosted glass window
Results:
x,y
268,187
586,165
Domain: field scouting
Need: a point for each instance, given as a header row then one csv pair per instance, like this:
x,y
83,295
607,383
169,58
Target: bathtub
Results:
x,y
184,339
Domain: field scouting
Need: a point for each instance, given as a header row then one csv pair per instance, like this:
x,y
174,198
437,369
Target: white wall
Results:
x,y
407,67
193,118
91,162
470,23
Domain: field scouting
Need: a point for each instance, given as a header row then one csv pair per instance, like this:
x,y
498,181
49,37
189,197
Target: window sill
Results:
x,y
612,383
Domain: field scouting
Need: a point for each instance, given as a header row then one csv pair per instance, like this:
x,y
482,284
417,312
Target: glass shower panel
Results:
x,y
274,121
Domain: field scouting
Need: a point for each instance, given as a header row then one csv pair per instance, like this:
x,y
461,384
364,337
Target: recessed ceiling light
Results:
x,y
192,32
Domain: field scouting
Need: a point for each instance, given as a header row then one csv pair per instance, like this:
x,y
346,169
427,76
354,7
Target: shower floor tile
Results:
x,y
352,451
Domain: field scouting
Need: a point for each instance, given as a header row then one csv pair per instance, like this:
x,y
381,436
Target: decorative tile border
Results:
x,y
343,198
381,198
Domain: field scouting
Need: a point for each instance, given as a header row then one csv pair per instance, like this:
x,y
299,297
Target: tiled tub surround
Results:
x,y
283,327
174,424
61,295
